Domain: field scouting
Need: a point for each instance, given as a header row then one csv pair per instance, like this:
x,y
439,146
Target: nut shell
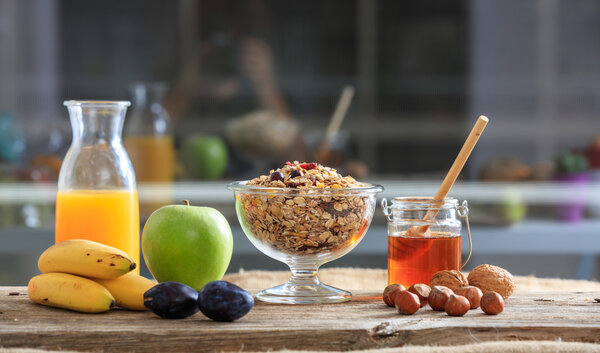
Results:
x,y
389,293
452,279
492,278
472,293
457,305
438,297
492,303
407,302
422,291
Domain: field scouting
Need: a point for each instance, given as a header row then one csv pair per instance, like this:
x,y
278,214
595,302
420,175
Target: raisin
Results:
x,y
295,173
276,176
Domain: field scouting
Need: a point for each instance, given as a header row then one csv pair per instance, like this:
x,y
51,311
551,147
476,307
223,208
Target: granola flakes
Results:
x,y
306,175
300,221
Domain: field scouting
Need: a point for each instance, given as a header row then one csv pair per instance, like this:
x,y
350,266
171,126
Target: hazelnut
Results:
x,y
389,292
492,303
492,278
407,302
452,279
422,291
438,297
457,305
473,294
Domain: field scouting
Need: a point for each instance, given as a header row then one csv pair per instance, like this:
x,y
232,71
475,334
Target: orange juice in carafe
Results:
x,y
97,194
150,144
109,217
153,157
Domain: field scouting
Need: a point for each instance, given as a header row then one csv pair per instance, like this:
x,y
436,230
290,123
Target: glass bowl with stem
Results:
x,y
304,228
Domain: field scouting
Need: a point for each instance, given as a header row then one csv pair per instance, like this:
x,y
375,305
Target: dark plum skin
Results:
x,y
224,301
172,300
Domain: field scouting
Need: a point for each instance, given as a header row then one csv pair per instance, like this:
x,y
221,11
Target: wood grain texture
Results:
x,y
365,322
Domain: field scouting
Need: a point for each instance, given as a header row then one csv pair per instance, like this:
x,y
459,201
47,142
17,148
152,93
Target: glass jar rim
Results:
x,y
423,202
81,103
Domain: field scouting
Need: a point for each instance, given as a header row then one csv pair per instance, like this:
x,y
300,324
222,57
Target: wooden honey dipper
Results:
x,y
459,162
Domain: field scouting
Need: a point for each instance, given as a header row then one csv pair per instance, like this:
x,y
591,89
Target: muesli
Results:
x,y
309,216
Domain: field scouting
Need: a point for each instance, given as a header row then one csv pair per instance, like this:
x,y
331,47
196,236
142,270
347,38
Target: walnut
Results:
x,y
492,278
449,278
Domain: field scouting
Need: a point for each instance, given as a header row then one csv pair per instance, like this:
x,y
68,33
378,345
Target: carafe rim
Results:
x,y
72,103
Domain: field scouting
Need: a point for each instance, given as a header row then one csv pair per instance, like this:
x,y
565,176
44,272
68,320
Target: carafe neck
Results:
x,y
97,122
147,95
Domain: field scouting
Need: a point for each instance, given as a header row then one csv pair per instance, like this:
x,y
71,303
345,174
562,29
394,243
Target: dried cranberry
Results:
x,y
308,166
295,173
276,176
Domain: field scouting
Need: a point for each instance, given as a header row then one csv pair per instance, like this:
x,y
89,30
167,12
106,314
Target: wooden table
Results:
x,y
364,322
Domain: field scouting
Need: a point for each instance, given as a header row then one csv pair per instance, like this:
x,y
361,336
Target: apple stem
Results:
x,y
186,202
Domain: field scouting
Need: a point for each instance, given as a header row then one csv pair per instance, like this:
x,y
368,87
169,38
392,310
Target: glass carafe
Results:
x,y
149,141
97,197
148,135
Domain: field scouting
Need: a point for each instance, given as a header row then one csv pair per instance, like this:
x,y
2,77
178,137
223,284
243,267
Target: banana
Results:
x,y
128,290
66,291
85,258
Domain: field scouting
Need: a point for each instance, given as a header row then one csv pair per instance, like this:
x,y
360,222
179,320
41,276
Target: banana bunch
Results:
x,y
89,277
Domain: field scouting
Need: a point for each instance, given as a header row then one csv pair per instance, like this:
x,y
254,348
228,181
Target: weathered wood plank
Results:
x,y
364,322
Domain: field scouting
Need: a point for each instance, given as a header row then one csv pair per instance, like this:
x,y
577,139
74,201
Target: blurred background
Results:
x,y
226,90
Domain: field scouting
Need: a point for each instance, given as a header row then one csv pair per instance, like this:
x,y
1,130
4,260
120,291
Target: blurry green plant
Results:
x,y
571,163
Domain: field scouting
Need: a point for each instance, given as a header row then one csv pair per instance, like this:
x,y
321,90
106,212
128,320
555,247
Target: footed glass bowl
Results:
x,y
304,228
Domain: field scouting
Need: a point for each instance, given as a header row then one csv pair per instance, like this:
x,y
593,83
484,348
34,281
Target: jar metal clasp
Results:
x,y
463,212
386,209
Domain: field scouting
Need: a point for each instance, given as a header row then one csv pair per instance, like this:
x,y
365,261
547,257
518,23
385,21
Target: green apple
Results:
x,y
187,244
204,157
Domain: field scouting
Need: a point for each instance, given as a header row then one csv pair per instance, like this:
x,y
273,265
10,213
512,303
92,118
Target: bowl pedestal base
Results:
x,y
304,287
